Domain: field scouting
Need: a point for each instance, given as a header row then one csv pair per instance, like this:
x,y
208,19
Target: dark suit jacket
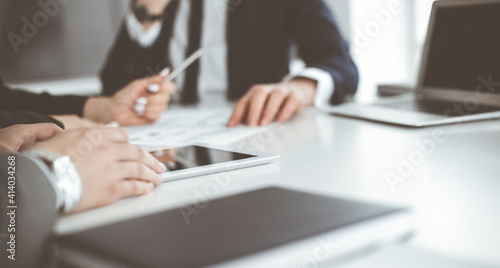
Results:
x,y
19,100
35,214
260,34
21,107
9,118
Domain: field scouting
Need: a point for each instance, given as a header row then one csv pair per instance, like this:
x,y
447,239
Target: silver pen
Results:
x,y
177,71
140,104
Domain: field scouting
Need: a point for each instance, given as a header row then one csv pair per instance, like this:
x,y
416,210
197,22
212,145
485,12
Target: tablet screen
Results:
x,y
195,156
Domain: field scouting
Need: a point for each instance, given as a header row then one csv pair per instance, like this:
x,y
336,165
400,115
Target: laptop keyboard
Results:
x,y
412,103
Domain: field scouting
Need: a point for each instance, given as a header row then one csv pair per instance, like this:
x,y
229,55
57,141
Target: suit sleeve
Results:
x,y
43,103
10,118
32,215
321,45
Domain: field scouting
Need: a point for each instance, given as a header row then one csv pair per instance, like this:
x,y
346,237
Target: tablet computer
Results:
x,y
197,160
270,227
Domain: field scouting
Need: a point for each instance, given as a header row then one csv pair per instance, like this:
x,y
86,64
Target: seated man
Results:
x,y
55,175
247,54
118,108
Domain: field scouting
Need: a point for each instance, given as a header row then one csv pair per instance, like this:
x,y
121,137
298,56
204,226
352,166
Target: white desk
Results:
x,y
455,193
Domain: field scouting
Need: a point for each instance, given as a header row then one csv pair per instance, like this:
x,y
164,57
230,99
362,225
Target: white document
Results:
x,y
190,125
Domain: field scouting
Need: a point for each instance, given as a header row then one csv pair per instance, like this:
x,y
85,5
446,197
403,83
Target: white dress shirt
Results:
x,y
213,80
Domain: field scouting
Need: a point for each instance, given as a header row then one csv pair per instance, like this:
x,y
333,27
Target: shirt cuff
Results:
x,y
324,89
64,178
137,33
51,178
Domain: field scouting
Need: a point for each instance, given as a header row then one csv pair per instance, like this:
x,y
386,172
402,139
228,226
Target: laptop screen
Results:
x,y
465,45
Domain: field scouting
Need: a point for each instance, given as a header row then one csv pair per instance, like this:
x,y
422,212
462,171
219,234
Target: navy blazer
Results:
x,y
260,36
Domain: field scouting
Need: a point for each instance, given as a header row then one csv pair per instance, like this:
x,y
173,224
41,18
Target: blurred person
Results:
x,y
80,111
247,54
48,178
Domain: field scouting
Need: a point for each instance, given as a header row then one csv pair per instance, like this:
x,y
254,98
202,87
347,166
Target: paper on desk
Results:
x,y
182,126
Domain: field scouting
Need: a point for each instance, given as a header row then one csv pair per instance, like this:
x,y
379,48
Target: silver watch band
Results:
x,y
67,179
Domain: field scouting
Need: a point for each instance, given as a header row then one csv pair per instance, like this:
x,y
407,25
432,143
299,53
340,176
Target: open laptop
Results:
x,y
459,76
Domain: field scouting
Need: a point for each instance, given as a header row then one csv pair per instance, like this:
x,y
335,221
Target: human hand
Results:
x,y
109,167
167,156
17,137
262,104
120,107
74,121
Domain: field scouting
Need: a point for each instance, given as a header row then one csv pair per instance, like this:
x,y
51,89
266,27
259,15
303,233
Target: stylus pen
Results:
x,y
180,69
140,104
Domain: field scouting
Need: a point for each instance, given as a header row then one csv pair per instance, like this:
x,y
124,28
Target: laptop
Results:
x,y
459,77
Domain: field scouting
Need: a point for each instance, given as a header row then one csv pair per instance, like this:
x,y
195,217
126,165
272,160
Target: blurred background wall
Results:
x,y
72,38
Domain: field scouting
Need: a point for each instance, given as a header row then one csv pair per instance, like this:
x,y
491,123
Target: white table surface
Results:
x,y
454,192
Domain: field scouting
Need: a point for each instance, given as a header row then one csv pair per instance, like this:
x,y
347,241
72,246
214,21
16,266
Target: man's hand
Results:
x,y
265,103
120,107
74,121
109,167
17,137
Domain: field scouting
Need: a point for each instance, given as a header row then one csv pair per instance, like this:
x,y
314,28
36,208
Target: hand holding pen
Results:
x,y
121,109
155,98
142,104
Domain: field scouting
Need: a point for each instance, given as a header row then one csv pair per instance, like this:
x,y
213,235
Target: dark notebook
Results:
x,y
225,229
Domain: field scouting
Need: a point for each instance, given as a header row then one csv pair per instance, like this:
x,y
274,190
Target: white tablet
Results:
x,y
198,160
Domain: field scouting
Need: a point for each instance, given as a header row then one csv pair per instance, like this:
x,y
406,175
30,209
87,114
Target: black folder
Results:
x,y
224,229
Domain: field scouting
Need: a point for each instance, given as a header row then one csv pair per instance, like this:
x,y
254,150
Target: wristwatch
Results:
x,y
142,13
67,179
